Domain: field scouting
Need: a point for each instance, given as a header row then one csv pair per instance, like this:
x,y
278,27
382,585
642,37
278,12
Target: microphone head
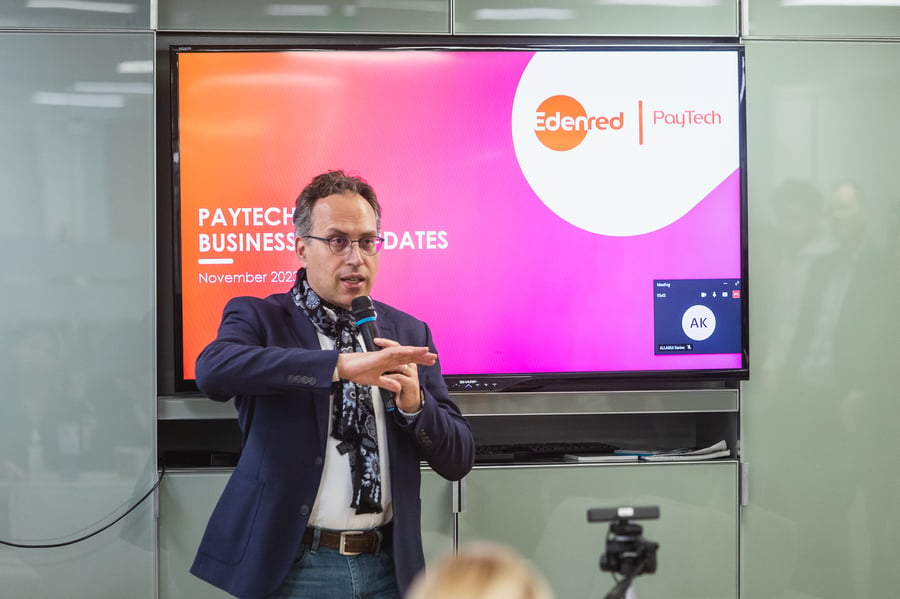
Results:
x,y
362,307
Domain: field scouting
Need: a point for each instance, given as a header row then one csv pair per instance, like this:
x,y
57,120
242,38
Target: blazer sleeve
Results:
x,y
440,431
258,352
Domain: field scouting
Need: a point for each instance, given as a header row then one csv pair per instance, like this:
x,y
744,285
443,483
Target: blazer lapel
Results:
x,y
307,337
386,329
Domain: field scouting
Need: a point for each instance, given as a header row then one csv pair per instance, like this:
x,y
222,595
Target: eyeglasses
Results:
x,y
340,245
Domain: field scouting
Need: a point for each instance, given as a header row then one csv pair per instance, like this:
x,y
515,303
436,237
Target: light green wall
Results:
x,y
77,281
821,404
78,270
541,511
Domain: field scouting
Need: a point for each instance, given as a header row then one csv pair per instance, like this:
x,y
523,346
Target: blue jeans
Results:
x,y
320,573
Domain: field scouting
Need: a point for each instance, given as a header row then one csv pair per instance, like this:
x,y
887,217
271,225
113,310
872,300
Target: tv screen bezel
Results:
x,y
171,380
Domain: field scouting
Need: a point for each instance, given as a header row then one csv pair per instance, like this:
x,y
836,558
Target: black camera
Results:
x,y
627,552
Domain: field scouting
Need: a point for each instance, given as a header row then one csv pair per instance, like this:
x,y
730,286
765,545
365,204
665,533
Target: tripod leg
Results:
x,y
624,589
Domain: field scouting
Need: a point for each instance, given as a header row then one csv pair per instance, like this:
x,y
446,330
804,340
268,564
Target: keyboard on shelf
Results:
x,y
514,452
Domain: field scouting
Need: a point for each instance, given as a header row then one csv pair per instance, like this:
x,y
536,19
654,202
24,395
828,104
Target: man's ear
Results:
x,y
300,249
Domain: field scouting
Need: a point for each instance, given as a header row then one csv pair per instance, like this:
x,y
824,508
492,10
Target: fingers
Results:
x,y
390,383
385,368
407,376
405,354
405,370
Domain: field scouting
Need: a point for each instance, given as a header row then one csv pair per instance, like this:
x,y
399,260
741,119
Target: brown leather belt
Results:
x,y
350,542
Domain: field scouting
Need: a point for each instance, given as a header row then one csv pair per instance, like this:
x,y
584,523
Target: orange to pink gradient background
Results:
x,y
513,289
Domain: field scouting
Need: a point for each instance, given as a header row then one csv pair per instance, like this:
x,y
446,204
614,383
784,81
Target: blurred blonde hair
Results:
x,y
481,570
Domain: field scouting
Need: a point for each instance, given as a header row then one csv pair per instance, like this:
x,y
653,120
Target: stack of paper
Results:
x,y
716,450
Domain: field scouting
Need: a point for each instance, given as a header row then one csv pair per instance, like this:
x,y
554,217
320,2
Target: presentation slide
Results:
x,y
550,211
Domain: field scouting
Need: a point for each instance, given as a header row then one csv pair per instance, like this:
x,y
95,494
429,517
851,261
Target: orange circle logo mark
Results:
x,y
561,123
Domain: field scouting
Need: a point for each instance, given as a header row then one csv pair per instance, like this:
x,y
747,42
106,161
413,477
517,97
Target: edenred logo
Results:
x,y
562,123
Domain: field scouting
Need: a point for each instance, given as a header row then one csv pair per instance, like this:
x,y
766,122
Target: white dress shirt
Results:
x,y
332,509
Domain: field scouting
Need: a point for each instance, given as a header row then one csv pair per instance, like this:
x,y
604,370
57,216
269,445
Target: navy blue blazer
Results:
x,y
268,357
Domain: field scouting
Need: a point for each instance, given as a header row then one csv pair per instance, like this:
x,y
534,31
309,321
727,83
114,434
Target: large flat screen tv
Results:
x,y
563,216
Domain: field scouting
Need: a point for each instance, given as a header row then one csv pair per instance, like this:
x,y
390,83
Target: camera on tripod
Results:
x,y
627,552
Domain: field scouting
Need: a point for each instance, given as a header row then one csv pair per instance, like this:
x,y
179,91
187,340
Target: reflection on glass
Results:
x,y
95,14
821,406
416,16
76,331
680,18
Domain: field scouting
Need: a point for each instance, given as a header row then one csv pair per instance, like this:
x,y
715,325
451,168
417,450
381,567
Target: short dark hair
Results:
x,y
325,185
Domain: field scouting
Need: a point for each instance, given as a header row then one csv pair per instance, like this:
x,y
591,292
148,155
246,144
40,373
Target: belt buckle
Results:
x,y
342,544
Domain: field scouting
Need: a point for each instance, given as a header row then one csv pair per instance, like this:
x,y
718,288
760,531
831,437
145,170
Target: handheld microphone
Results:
x,y
363,311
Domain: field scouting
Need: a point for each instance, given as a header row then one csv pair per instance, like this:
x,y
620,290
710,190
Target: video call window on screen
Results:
x,y
700,316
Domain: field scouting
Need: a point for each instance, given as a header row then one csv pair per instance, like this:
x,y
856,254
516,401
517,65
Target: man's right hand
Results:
x,y
369,368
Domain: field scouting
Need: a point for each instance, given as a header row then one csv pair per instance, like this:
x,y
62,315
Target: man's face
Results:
x,y
847,212
338,279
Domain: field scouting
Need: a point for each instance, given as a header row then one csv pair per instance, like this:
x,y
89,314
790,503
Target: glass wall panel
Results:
x,y
541,511
76,14
376,16
679,18
820,409
186,499
438,519
77,274
824,18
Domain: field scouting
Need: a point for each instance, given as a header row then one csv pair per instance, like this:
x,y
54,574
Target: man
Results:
x,y
324,501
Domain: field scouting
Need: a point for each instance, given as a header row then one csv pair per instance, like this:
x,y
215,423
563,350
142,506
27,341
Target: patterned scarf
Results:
x,y
352,416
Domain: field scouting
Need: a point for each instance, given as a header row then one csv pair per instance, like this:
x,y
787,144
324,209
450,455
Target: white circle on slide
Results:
x,y
650,134
698,322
